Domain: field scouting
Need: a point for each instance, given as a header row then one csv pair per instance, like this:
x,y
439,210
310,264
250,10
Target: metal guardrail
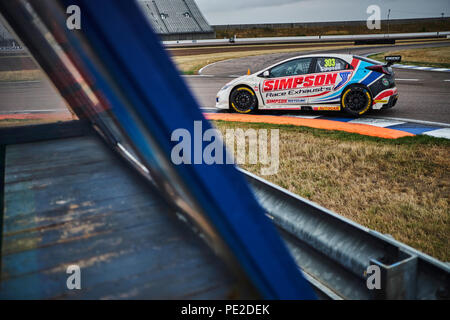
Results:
x,y
335,252
309,39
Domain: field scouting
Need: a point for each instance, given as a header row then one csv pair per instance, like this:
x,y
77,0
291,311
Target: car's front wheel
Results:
x,y
356,100
243,100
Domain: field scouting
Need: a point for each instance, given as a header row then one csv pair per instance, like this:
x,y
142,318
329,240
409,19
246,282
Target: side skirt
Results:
x,y
312,107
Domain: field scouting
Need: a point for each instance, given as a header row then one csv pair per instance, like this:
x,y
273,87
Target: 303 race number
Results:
x,y
330,63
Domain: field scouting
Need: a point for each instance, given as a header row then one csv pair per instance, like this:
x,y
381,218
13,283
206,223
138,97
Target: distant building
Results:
x,y
170,19
177,19
6,38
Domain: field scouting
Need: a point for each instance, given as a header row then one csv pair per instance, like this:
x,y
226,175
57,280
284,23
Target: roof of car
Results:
x,y
346,57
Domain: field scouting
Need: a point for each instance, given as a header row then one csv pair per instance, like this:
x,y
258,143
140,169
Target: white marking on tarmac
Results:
x,y
407,79
198,75
383,123
430,123
208,65
20,82
439,133
447,80
34,111
304,117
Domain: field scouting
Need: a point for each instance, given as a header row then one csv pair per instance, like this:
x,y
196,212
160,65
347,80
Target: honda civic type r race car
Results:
x,y
315,82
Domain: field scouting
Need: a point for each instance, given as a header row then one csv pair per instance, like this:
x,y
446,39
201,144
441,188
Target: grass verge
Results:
x,y
21,75
426,57
315,30
399,187
23,122
193,63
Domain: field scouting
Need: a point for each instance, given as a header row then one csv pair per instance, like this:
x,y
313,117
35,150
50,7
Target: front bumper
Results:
x,y
222,99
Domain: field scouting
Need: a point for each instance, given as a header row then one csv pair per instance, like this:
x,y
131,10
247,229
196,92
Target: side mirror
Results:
x,y
266,74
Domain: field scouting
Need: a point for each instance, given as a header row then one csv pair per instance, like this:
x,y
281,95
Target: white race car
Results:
x,y
314,82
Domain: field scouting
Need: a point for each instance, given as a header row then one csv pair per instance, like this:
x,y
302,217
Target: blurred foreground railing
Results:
x,y
335,253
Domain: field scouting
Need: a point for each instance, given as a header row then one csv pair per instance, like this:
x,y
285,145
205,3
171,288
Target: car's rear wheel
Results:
x,y
243,100
356,100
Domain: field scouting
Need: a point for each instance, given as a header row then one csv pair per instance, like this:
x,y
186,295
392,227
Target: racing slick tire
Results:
x,y
356,100
243,100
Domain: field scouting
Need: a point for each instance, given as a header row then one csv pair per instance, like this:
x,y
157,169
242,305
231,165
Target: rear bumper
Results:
x,y
385,99
392,102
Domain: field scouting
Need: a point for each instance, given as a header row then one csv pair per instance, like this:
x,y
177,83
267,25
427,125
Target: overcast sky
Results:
x,y
267,11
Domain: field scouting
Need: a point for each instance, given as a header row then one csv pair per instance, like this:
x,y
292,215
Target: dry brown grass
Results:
x,y
396,188
21,75
192,63
333,30
438,57
23,122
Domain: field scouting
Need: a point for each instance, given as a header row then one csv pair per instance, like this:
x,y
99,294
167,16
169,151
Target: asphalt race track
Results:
x,y
424,95
29,96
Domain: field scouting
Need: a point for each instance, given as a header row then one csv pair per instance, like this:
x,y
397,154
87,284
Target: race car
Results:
x,y
336,82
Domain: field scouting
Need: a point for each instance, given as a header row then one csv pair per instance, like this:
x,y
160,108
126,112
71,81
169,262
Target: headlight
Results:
x,y
225,87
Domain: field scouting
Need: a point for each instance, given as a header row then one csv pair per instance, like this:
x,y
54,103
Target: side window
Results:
x,y
291,68
330,64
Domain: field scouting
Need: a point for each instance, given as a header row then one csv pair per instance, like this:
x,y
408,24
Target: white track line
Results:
x,y
304,117
34,111
198,75
208,65
20,82
407,79
439,133
441,69
429,123
377,122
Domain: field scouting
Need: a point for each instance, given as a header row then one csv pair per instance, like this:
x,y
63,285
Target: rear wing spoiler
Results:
x,y
390,60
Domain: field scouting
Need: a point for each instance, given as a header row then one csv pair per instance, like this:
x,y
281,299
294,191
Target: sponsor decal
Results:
x,y
277,101
316,80
296,100
282,101
301,93
327,108
344,78
306,86
275,94
311,92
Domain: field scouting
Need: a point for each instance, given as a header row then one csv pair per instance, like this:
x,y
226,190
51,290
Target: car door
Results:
x,y
282,87
329,74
